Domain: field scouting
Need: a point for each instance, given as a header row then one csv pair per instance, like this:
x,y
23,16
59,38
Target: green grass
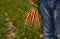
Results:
x,y
16,9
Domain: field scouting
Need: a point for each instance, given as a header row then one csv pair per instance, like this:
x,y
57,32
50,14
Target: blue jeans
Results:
x,y
50,11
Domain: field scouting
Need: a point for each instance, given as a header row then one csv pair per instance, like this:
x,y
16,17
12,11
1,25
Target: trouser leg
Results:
x,y
48,23
57,20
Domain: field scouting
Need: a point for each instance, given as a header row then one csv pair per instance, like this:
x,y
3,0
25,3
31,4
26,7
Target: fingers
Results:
x,y
33,4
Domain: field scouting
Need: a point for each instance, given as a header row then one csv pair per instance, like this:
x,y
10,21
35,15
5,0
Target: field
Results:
x,y
16,10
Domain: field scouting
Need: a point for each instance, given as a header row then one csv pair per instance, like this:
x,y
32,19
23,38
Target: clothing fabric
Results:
x,y
50,11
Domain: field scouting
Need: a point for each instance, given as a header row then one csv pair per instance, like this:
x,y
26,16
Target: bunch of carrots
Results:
x,y
32,17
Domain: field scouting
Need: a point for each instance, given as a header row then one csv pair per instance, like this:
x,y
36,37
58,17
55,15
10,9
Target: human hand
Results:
x,y
33,4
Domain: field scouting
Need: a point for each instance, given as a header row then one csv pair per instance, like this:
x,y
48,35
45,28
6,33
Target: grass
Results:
x,y
16,9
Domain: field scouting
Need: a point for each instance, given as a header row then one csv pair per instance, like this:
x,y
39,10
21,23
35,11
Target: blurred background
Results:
x,y
16,10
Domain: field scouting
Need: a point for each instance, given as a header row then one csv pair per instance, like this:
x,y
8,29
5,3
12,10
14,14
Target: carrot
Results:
x,y
27,18
32,17
33,13
36,19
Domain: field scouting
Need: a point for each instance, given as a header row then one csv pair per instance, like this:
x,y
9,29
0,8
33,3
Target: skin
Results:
x,y
32,3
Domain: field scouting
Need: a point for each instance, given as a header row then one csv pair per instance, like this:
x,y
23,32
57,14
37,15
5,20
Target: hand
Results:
x,y
33,4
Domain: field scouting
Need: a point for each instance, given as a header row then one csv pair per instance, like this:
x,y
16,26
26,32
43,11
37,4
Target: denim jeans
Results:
x,y
50,11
